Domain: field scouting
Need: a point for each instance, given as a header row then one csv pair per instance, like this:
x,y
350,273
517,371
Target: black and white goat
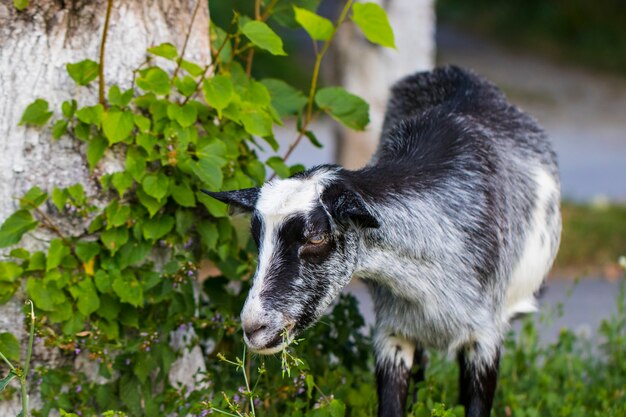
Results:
x,y
453,226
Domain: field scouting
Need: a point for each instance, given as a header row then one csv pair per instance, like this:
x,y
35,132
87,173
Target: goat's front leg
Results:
x,y
477,379
394,358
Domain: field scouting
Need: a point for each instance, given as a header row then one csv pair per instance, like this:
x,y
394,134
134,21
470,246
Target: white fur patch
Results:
x,y
537,254
395,349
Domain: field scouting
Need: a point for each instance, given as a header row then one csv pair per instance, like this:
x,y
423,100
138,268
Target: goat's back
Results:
x,y
452,137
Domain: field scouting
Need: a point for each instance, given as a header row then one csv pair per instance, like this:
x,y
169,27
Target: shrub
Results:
x,y
119,284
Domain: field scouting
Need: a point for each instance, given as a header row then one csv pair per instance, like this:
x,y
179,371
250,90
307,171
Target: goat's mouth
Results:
x,y
280,341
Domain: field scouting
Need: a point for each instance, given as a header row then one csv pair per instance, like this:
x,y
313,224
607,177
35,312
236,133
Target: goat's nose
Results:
x,y
252,328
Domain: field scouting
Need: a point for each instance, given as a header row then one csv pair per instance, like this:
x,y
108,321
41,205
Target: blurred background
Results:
x,y
562,61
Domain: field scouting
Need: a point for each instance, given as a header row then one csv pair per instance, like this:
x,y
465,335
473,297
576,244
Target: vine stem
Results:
x,y
50,225
102,45
246,372
308,117
9,364
187,36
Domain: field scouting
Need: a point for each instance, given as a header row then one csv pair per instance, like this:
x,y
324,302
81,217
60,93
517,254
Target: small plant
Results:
x,y
13,349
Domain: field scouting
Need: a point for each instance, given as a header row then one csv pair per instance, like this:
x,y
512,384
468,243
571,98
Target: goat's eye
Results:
x,y
317,239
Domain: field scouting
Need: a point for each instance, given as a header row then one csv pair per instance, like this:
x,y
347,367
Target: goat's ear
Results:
x,y
346,205
244,199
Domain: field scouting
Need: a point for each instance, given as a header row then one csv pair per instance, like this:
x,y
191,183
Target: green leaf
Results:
x,y
92,115
117,215
208,234
37,262
373,21
122,182
156,186
33,198
117,125
313,139
344,107
193,69
95,150
157,227
36,113
183,195
69,108
208,168
283,12
15,227
56,252
59,198
264,37
165,50
216,208
218,92
153,205
114,239
9,271
5,381
256,122
285,99
20,5
83,72
185,115
85,293
87,250
279,166
186,85
45,295
103,283
117,98
319,28
10,346
337,408
77,193
142,122
129,290
135,163
257,94
154,79
59,128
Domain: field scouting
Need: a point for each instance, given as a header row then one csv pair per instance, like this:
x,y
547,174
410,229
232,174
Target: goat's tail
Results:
x,y
423,91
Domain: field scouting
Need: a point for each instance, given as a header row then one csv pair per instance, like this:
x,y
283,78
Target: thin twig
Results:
x,y
102,45
9,364
308,117
268,10
214,59
50,225
182,53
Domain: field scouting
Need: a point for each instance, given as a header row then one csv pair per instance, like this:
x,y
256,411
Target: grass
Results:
x,y
593,238
578,31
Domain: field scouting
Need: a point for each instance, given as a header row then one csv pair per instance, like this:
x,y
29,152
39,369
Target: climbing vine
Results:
x,y
142,258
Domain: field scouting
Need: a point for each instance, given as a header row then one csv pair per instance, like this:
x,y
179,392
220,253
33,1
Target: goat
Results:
x,y
453,226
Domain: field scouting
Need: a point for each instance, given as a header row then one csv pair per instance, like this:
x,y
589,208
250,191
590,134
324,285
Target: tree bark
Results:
x,y
369,70
35,46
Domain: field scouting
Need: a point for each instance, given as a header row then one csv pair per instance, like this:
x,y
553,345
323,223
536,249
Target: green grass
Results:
x,y
594,236
592,33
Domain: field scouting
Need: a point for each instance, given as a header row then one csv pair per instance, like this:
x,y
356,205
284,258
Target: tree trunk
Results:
x,y
369,70
35,45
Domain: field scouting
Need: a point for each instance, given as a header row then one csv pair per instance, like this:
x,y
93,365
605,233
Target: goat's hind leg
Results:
x,y
394,358
477,380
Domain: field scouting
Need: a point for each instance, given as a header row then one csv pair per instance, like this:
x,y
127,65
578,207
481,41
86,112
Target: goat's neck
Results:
x,y
413,238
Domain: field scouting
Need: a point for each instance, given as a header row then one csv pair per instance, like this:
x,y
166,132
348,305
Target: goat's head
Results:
x,y
307,230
